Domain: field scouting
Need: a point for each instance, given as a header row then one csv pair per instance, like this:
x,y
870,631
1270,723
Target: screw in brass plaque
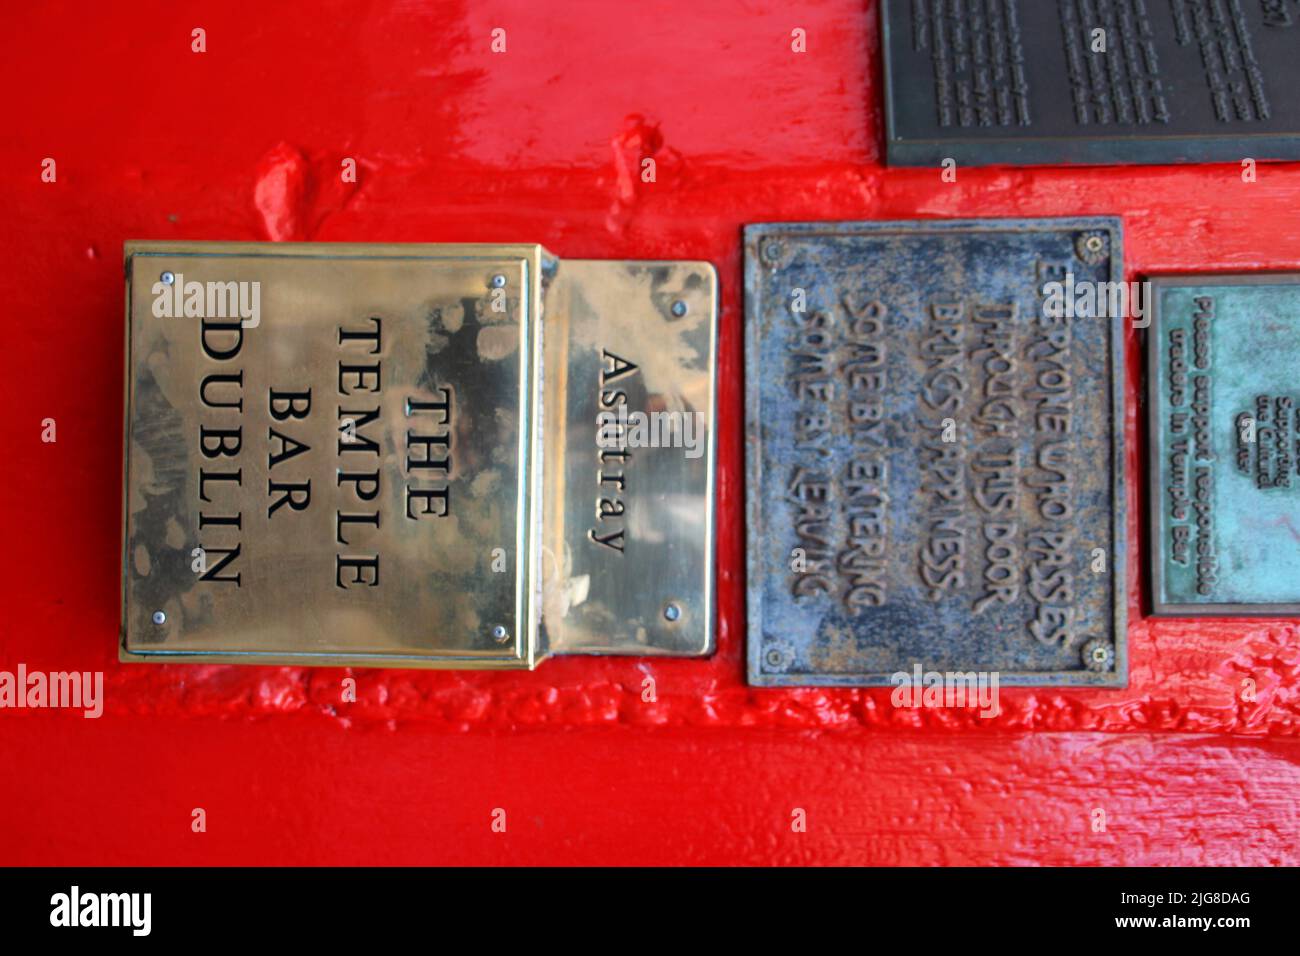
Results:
x,y
415,455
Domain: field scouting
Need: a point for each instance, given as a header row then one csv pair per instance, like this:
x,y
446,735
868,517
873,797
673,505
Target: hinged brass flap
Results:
x,y
627,555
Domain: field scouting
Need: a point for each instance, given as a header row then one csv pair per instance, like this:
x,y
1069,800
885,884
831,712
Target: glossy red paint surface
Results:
x,y
542,143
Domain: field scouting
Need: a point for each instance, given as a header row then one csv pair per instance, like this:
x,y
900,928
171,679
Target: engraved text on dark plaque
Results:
x,y
1025,82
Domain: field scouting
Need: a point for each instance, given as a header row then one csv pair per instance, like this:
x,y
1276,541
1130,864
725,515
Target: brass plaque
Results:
x,y
395,455
628,552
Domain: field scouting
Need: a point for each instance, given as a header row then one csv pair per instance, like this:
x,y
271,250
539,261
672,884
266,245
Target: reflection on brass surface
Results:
x,y
353,454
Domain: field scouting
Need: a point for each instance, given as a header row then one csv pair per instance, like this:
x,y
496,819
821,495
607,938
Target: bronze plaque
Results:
x,y
935,452
358,454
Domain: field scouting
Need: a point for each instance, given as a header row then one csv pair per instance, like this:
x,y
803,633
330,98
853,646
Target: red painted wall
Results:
x,y
455,143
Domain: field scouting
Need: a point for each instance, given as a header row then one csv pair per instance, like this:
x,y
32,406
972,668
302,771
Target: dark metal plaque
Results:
x,y
1223,395
934,451
1025,82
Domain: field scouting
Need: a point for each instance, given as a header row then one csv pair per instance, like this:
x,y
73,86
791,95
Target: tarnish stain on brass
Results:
x,y
497,342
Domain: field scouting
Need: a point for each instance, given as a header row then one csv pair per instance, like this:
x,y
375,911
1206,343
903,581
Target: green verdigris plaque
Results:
x,y
1223,383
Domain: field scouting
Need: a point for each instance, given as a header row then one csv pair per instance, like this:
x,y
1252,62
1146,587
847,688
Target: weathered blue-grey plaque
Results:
x,y
934,451
1223,380
1090,81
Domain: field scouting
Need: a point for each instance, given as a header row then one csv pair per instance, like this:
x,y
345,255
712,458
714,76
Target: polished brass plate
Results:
x,y
387,455
628,556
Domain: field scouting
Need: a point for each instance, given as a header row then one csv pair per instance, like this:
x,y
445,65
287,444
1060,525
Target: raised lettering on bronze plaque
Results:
x,y
1025,82
1223,395
415,455
934,451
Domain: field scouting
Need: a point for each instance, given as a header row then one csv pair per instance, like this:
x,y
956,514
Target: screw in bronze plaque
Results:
x,y
159,617
167,278
500,634
498,281
1091,248
679,308
672,612
1098,655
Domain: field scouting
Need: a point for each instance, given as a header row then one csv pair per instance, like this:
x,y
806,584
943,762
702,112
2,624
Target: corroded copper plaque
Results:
x,y
934,451
627,557
1223,395
415,455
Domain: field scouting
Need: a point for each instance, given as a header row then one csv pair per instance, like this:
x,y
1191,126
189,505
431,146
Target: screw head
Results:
x,y
772,250
167,278
1098,655
159,617
778,658
1092,247
498,281
672,612
500,634
679,308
